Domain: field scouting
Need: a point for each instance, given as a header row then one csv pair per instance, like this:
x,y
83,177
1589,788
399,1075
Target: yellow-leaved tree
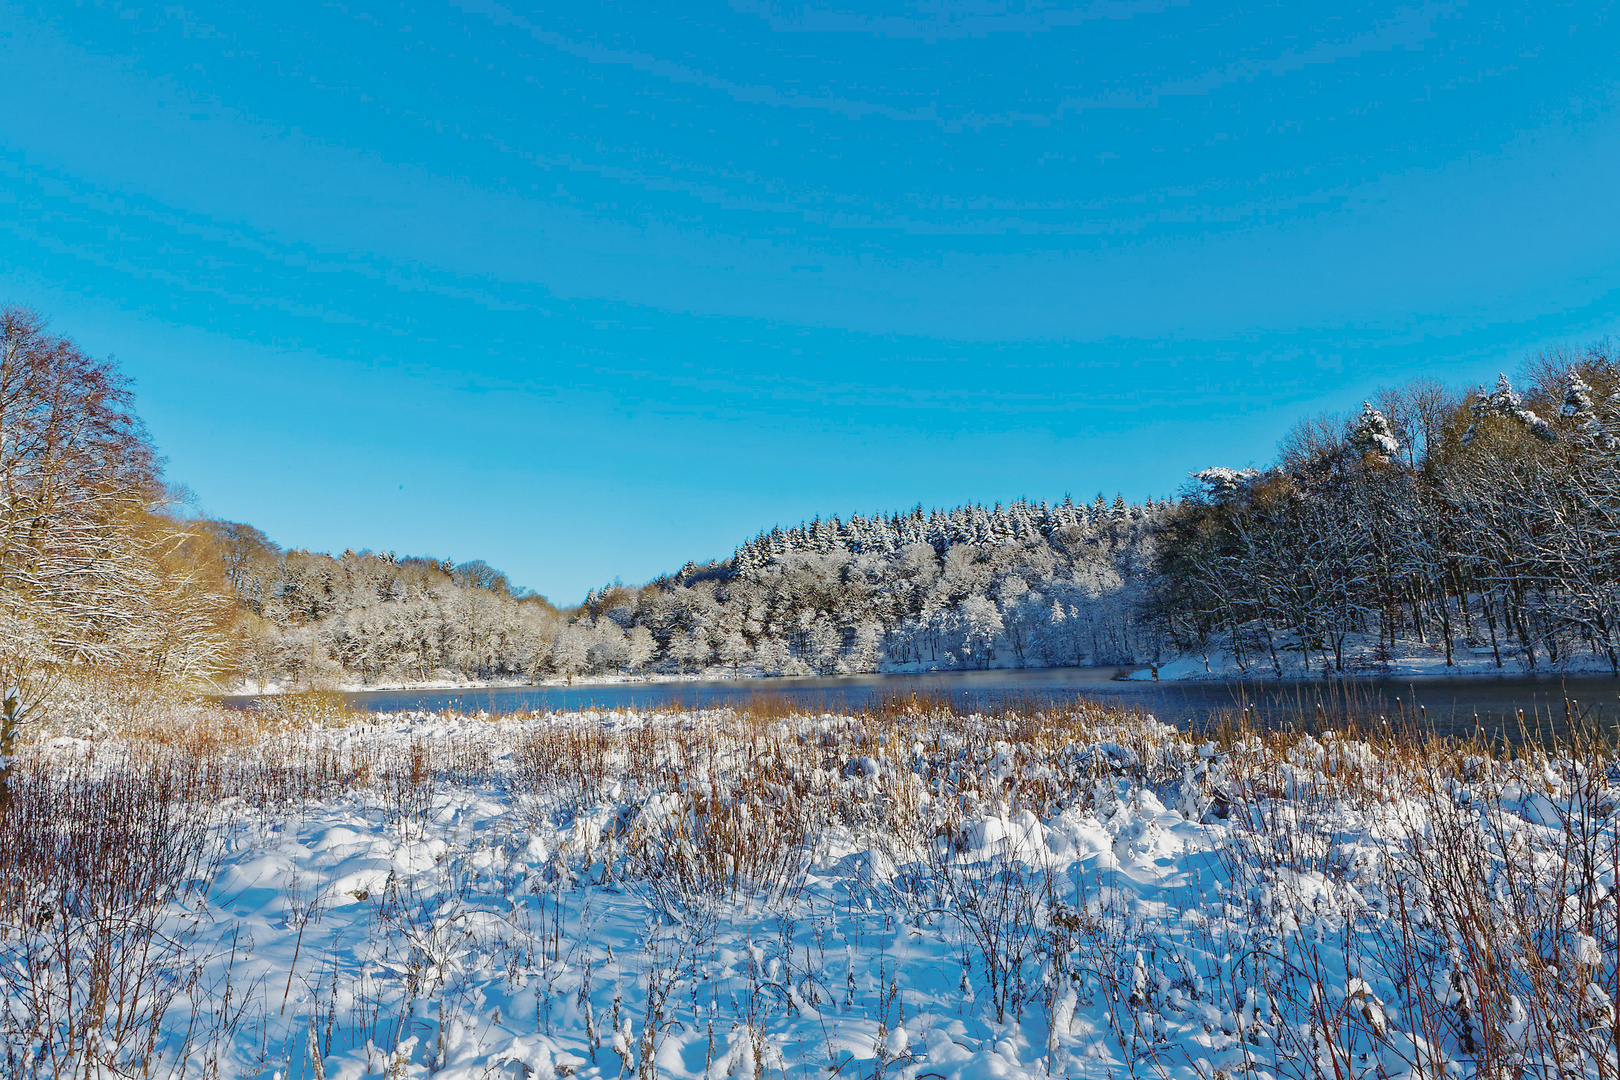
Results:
x,y
95,575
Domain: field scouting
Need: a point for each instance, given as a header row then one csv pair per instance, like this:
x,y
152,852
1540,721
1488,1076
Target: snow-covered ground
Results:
x,y
714,894
1405,660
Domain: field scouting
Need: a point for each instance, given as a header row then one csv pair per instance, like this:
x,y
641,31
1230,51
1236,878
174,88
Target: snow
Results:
x,y
917,897
1364,656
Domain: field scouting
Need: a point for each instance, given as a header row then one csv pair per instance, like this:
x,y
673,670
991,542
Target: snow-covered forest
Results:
x,y
315,619
1472,528
1017,585
1484,525
1020,585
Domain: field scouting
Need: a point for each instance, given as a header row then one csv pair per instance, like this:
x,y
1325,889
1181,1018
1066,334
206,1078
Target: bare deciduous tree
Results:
x,y
92,573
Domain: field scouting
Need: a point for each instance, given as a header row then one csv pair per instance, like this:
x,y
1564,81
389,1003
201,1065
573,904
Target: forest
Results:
x,y
1465,524
1484,522
1478,527
1028,585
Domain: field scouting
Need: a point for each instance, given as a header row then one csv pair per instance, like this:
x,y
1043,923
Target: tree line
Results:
x,y
1485,521
950,588
1023,585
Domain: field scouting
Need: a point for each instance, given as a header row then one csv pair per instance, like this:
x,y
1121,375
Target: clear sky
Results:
x,y
588,290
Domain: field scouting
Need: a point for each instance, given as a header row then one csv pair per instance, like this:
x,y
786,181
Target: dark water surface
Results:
x,y
1454,706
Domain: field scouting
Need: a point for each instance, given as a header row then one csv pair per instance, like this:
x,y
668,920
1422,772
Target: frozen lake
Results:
x,y
1450,706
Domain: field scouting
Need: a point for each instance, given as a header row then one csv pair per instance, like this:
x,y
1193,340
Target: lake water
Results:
x,y
1448,706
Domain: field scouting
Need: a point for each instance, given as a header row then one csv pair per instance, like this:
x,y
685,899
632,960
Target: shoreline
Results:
x,y
493,684
1184,671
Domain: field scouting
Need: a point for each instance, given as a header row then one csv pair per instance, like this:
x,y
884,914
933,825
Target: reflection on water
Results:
x,y
1445,706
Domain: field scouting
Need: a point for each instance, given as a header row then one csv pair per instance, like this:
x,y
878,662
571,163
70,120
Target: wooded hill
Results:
x,y
1430,519
948,588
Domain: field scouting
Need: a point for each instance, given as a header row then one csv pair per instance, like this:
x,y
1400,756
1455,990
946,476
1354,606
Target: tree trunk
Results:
x,y
11,713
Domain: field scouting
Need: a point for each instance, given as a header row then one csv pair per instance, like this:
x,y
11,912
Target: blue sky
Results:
x,y
588,290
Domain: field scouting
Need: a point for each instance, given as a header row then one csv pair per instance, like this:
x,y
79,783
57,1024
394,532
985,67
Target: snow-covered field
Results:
x,y
719,894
